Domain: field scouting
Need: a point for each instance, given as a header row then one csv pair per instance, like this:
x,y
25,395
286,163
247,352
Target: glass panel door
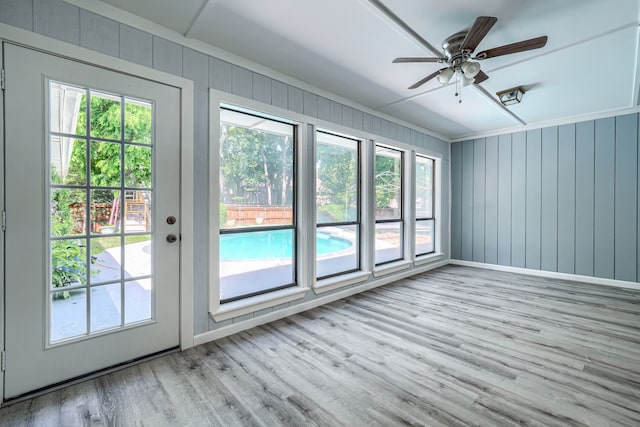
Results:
x,y
100,209
88,283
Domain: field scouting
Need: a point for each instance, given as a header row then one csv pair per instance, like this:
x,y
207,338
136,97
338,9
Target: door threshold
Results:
x,y
86,377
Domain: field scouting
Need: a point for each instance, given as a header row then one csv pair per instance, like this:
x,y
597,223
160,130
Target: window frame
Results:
x,y
262,228
307,281
401,206
358,221
433,205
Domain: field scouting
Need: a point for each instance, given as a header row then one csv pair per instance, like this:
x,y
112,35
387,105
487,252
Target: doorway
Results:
x,y
92,200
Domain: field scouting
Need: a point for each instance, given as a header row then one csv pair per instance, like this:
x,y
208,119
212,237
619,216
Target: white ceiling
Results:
x,y
589,65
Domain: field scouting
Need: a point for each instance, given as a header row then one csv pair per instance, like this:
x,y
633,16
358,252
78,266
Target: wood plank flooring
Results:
x,y
455,346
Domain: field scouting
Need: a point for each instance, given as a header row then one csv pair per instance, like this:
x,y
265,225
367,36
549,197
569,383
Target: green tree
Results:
x,y
105,164
68,256
337,170
388,180
256,166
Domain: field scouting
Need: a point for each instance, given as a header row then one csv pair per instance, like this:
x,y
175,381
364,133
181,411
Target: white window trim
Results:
x,y
219,311
428,258
306,127
392,267
341,279
259,302
331,283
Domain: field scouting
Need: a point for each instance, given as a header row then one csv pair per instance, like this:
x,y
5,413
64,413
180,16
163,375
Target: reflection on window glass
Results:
x,y
105,307
105,116
256,171
256,191
388,242
425,223
424,187
137,121
337,205
68,160
336,179
67,109
424,237
100,225
68,314
105,164
388,196
388,183
68,212
137,166
337,249
254,262
137,297
68,264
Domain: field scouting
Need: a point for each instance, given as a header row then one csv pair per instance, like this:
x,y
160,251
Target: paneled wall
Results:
x,y
561,199
63,21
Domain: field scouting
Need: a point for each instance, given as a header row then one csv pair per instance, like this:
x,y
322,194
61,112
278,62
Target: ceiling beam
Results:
x,y
205,3
404,26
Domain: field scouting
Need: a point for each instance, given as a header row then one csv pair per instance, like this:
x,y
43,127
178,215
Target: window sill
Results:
x,y
392,268
332,283
426,259
259,302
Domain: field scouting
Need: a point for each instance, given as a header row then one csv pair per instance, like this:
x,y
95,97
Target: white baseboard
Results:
x,y
298,308
550,274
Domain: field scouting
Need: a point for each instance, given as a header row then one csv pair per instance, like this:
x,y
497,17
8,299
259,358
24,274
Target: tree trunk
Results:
x,y
268,178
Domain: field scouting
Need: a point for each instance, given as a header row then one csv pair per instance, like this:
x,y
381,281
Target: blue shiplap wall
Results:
x,y
63,21
562,199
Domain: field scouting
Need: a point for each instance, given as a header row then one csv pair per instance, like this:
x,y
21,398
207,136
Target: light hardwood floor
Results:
x,y
454,346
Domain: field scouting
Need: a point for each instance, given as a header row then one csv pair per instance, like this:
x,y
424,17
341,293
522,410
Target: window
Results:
x,y
257,205
101,199
389,213
425,225
337,205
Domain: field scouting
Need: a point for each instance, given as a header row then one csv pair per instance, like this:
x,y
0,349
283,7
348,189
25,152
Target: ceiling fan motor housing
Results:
x,y
457,50
452,48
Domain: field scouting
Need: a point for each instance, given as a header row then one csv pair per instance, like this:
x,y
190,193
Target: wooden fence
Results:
x,y
243,215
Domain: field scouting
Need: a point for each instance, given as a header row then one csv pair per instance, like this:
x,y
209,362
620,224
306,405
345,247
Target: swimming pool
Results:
x,y
272,244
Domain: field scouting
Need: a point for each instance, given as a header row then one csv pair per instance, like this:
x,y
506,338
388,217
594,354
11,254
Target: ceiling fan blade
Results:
x,y
418,59
478,30
507,49
480,77
426,79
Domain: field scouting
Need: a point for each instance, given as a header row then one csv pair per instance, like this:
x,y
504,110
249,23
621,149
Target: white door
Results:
x,y
92,206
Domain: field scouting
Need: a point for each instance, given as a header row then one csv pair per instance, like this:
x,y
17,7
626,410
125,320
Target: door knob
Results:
x,y
171,238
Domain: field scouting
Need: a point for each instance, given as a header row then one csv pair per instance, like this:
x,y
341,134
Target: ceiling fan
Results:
x,y
457,50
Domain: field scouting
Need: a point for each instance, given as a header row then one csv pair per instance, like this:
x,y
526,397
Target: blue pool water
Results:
x,y
272,244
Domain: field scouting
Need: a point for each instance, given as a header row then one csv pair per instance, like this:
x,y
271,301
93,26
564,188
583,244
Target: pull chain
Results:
x,y
458,87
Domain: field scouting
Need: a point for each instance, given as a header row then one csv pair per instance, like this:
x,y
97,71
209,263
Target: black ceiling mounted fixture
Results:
x,y
458,49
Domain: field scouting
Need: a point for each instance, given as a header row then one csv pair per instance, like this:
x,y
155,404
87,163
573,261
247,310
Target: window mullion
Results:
x,y
410,206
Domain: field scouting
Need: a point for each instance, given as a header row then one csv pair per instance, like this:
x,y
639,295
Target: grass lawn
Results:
x,y
100,244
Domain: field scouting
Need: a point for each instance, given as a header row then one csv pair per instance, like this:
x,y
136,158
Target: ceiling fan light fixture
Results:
x,y
466,81
470,69
445,76
511,96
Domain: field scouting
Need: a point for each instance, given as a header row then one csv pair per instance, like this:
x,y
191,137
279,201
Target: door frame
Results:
x,y
65,50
